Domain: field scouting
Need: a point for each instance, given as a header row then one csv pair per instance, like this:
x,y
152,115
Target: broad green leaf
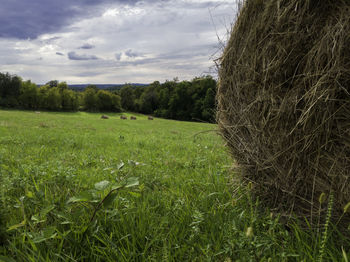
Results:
x,y
132,181
116,187
102,185
132,162
49,232
109,199
135,194
249,232
65,217
66,233
62,215
120,165
23,223
47,210
45,234
82,197
135,163
29,194
37,219
81,230
39,239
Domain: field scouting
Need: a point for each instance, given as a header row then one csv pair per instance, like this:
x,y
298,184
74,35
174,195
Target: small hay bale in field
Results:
x,y
123,117
150,118
133,117
104,117
43,125
284,103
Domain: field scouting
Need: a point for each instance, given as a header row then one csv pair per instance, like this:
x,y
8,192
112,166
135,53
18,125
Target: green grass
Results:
x,y
75,187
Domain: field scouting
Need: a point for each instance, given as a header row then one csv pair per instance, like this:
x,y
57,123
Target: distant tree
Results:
x,y
94,87
90,99
127,98
80,97
186,100
180,104
164,97
208,109
196,112
54,99
165,93
138,91
70,100
62,86
117,106
28,98
52,83
163,101
3,80
9,90
149,98
105,101
108,101
5,84
43,93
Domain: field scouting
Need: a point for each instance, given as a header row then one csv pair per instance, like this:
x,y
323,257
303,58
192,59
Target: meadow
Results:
x,y
75,187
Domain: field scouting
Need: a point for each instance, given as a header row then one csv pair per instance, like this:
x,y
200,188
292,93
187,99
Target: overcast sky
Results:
x,y
112,41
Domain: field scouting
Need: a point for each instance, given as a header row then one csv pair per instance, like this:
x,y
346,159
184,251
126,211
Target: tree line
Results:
x,y
185,100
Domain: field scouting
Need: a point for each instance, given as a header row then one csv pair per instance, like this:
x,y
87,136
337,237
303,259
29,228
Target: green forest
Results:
x,y
181,100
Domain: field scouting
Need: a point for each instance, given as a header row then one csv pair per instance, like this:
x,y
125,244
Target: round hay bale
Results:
x,y
284,103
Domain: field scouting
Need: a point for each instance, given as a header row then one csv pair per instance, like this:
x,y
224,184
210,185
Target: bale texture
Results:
x,y
284,103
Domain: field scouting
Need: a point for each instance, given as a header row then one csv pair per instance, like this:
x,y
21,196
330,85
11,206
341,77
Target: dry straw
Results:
x,y
284,102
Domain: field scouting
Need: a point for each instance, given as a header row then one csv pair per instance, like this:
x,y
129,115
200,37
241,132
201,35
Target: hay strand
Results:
x,y
284,102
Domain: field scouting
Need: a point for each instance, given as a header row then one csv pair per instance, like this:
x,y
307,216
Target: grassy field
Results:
x,y
75,187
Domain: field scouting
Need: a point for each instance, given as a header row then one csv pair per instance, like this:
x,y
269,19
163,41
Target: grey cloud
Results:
x,y
161,58
90,73
74,56
140,62
51,40
24,19
132,54
146,42
128,53
207,4
87,46
118,56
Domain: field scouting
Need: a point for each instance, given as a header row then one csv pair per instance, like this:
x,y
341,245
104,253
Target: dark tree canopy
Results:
x,y
186,100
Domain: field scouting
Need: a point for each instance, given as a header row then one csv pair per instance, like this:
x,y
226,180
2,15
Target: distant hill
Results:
x,y
110,87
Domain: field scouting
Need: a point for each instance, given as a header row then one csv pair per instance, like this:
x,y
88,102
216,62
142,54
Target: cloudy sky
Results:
x,y
112,41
